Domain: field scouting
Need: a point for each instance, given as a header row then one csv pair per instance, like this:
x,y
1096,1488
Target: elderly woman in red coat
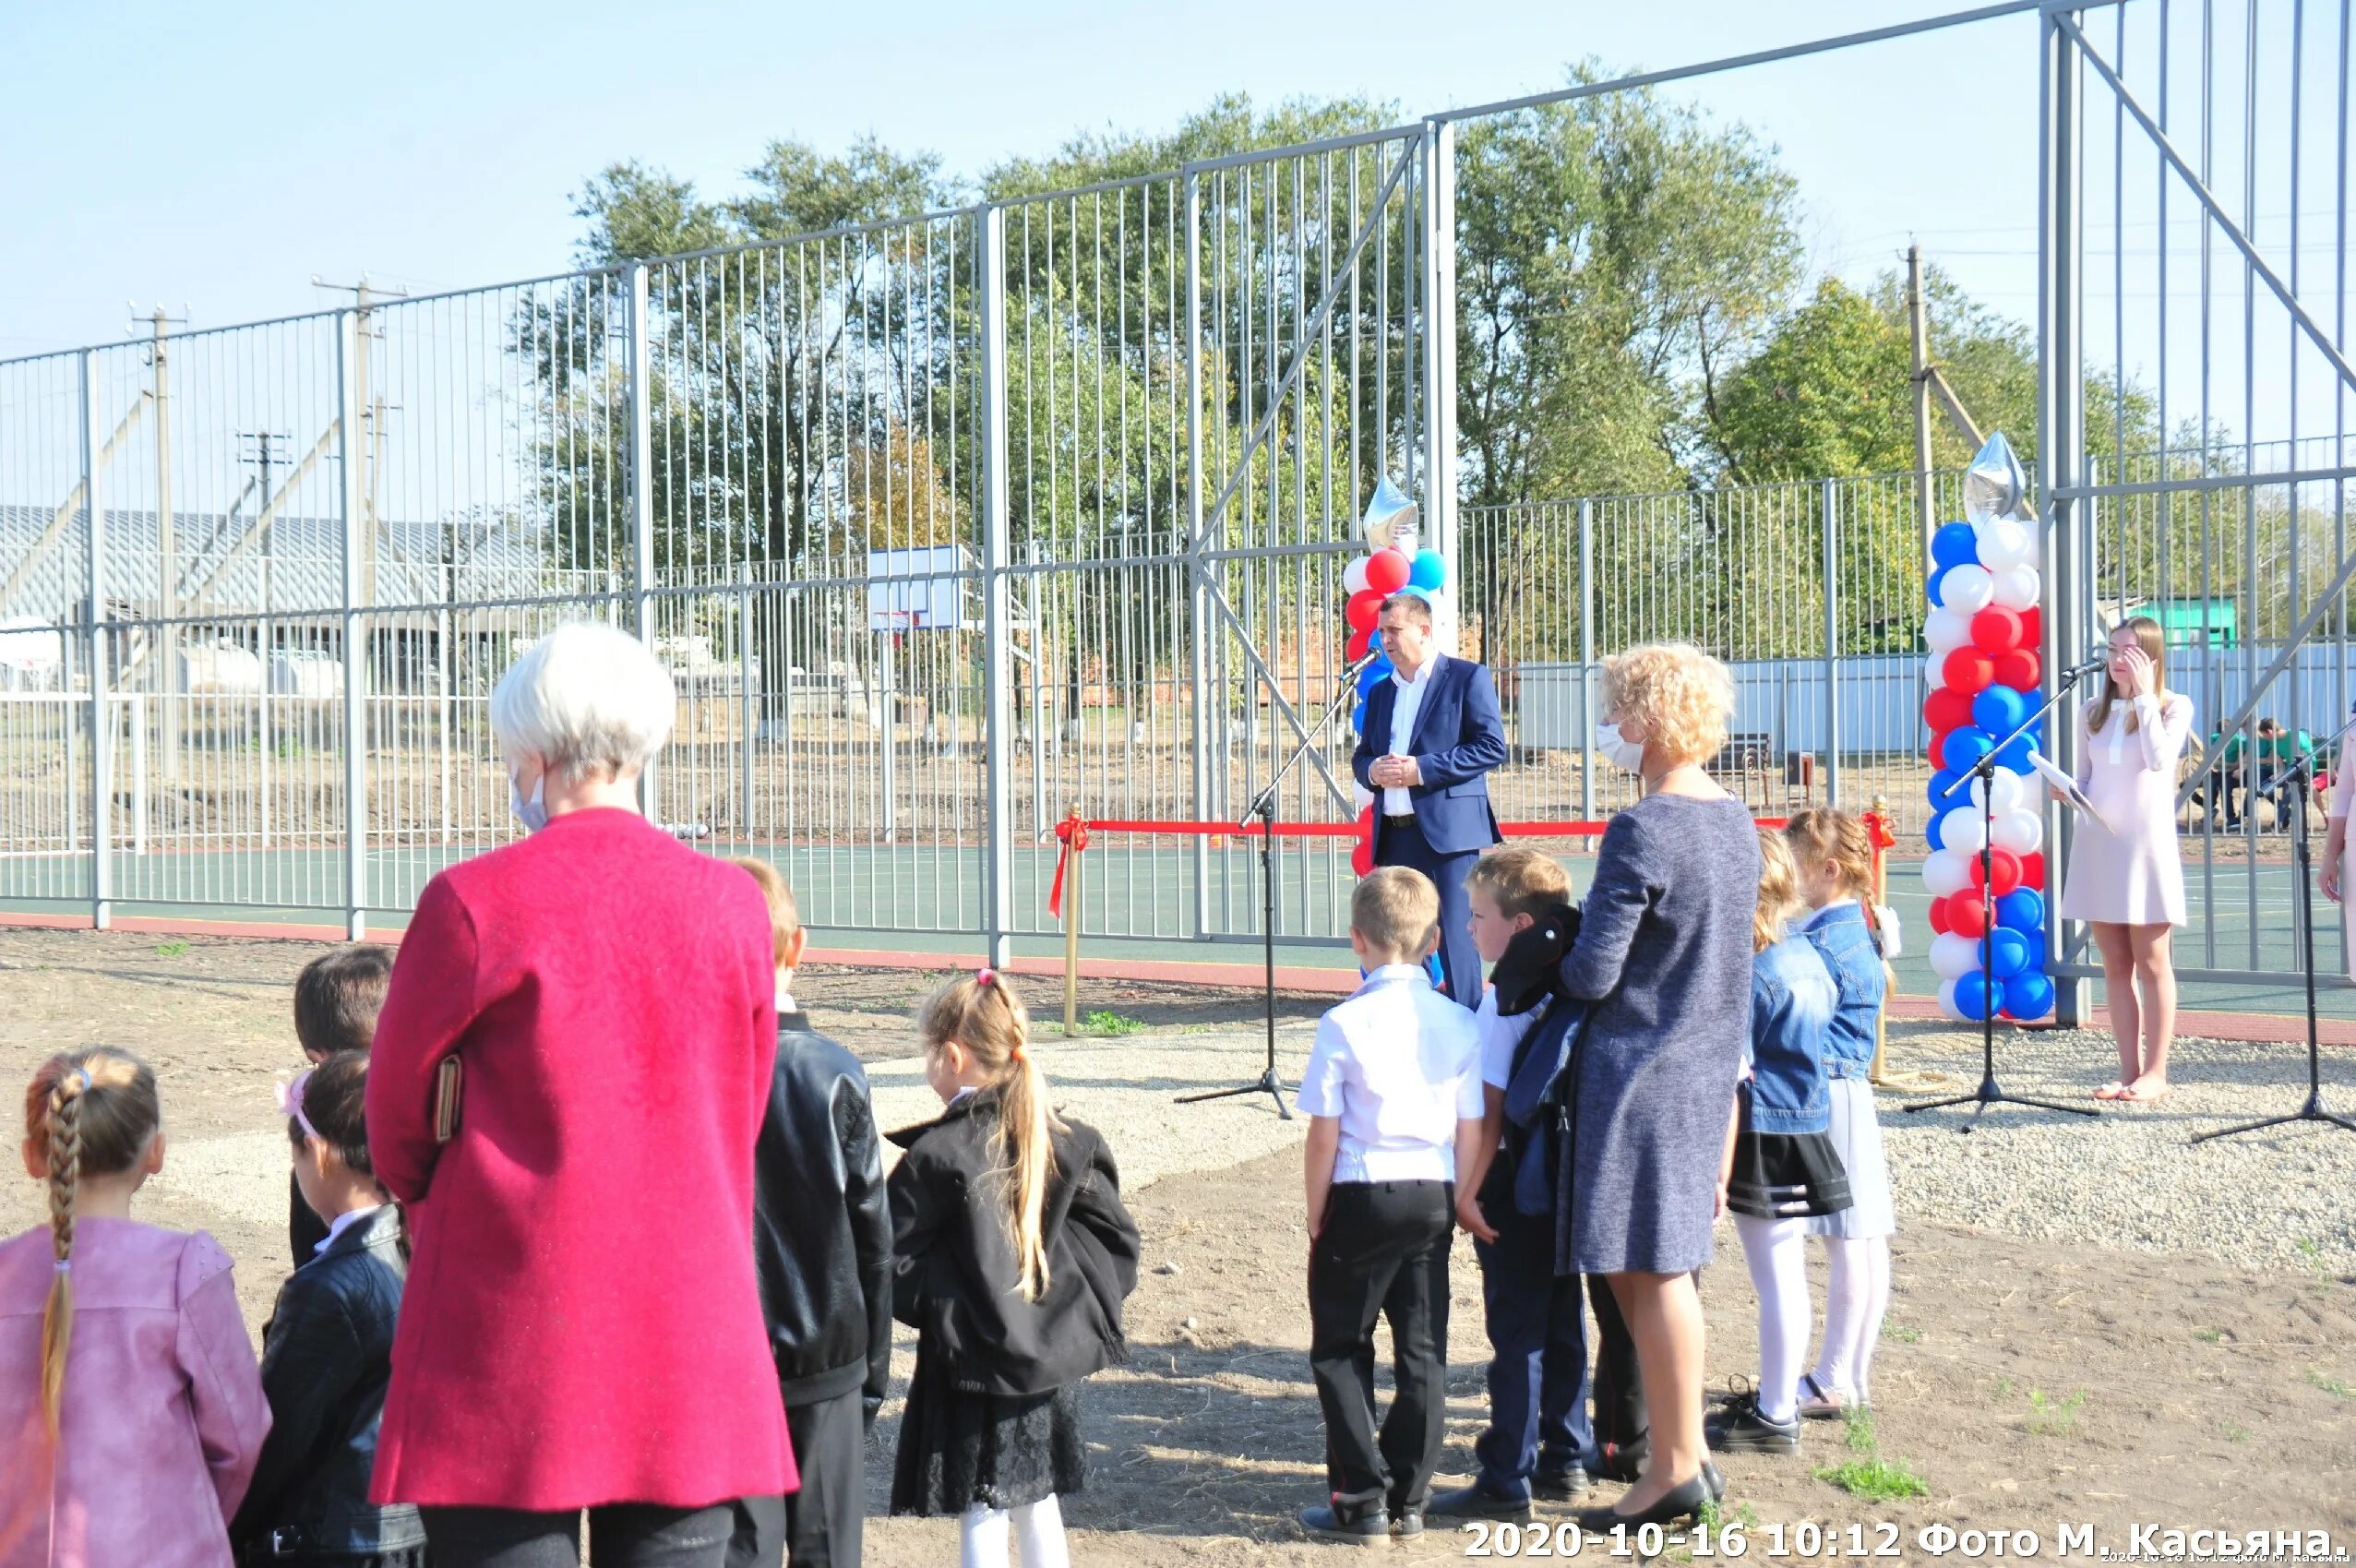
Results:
x,y
581,1328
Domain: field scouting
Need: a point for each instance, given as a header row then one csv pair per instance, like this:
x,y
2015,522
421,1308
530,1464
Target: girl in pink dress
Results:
x,y
2125,879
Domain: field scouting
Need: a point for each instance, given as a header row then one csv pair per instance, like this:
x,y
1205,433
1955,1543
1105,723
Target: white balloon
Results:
x,y
1967,588
1354,576
1946,630
1960,830
1944,871
2009,788
1934,672
1360,797
1947,1001
1952,956
2023,832
2016,587
2005,543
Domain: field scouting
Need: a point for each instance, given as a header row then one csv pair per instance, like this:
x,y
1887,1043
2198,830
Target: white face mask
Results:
x,y
1617,749
531,813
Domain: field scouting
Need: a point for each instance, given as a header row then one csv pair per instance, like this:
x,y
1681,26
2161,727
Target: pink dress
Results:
x,y
2129,873
164,1413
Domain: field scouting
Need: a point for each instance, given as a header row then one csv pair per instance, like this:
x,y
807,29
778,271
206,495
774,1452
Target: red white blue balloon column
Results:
x,y
1984,633
1390,564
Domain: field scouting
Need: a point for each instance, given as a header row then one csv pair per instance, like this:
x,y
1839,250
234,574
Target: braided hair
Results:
x,y
91,1112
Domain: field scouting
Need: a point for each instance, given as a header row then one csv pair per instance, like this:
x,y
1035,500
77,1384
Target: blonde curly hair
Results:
x,y
1676,695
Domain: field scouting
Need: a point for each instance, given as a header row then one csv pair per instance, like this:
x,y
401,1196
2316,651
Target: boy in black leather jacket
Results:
x,y
822,1248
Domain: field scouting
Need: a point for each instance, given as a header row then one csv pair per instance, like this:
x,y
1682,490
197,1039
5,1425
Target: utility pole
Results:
x,y
266,452
367,444
264,639
160,324
1918,315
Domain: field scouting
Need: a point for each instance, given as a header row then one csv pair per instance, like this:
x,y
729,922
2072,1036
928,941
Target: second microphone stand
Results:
x,y
1989,1091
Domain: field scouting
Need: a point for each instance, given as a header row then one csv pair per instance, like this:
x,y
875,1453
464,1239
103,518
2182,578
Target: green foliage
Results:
x,y
1892,1329
1875,1480
2208,1335
2055,1418
1104,1020
171,950
1829,393
2337,1388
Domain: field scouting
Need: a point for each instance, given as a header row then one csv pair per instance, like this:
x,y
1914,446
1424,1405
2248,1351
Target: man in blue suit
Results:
x,y
1431,735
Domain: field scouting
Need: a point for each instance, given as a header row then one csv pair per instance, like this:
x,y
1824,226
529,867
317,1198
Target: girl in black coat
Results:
x,y
327,1355
1012,1257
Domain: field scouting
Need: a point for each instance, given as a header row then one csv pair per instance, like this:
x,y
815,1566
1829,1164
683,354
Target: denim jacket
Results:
x,y
1841,935
1791,1008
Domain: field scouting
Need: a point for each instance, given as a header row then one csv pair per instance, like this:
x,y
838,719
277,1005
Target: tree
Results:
x,y
1830,393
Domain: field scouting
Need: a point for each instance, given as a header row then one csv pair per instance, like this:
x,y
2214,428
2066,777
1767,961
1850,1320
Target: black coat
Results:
x,y
822,1232
326,1356
957,1271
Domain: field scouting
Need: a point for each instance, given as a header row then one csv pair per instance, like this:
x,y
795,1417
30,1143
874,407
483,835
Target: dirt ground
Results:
x,y
2030,1383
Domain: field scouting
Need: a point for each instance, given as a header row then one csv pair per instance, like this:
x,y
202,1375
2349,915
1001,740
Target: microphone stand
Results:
x,y
2298,774
1989,1093
1264,805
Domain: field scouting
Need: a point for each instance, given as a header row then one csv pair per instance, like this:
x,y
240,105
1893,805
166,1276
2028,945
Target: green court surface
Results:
x,y
1141,898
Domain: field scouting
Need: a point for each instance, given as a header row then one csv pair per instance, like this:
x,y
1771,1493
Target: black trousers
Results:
x,y
821,1526
1382,1252
621,1535
1621,1426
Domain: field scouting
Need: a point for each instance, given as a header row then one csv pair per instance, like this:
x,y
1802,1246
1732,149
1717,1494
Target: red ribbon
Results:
x,y
1073,832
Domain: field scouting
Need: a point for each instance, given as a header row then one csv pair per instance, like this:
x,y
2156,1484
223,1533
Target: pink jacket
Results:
x,y
163,1414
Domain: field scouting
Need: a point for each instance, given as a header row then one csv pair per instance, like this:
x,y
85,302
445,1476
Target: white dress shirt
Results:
x,y
1399,1065
340,1223
1405,705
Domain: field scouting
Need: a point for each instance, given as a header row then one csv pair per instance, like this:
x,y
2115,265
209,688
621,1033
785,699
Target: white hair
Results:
x,y
586,699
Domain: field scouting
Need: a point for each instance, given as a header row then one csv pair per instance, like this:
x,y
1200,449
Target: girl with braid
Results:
x,y
1012,1255
131,1412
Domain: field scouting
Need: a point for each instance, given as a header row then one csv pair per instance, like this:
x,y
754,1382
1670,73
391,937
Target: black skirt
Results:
x,y
1785,1175
958,1448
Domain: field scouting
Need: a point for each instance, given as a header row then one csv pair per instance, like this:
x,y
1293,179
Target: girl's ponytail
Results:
x,y
92,1112
990,1024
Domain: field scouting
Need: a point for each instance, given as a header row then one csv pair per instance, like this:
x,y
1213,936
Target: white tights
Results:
x,y
1039,1530
1778,1252
1857,1294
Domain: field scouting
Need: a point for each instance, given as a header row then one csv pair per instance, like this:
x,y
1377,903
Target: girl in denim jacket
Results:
x,y
1836,863
1780,1166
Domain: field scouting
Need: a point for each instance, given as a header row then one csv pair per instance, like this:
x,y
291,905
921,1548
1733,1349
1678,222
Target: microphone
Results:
x,y
2090,663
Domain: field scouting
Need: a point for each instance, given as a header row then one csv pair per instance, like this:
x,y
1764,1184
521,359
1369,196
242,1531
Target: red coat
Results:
x,y
581,1323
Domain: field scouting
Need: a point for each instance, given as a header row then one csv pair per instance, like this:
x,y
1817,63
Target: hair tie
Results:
x,y
84,1073
1022,1051
290,1102
986,975
64,1265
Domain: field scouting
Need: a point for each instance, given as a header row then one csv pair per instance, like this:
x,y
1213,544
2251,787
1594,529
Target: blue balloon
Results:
x,y
2008,953
1428,571
1379,670
1999,709
2028,994
1941,782
1431,967
1977,996
1931,835
1937,596
1967,745
2016,756
2022,910
1954,544
1357,716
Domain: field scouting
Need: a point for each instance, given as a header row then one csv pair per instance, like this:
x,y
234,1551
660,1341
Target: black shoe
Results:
x,y
1361,1526
1741,1428
1685,1502
1408,1523
1473,1502
1623,1463
1562,1486
1715,1479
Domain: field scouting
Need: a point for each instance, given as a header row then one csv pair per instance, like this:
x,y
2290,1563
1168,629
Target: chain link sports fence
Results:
x,y
952,524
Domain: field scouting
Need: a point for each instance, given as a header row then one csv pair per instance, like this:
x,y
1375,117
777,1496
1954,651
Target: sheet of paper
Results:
x,y
2067,785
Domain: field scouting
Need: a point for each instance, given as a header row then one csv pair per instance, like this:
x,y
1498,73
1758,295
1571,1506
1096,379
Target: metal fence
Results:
x,y
952,524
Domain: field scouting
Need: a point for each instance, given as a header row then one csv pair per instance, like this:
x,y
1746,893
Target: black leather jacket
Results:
x,y
956,1263
327,1356
822,1232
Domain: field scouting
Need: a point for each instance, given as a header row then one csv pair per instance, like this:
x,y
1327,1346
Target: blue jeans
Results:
x,y
1538,1377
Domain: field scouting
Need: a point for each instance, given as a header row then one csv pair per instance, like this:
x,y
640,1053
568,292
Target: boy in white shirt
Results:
x,y
1392,1090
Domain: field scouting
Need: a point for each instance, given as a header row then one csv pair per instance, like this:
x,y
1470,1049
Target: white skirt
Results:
x,y
1857,1134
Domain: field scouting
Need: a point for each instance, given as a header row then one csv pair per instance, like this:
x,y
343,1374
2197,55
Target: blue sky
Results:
x,y
220,157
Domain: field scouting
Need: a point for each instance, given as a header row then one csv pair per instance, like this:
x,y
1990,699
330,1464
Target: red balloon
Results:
x,y
1939,748
1360,643
2004,870
1946,710
1362,859
1366,821
1968,670
1996,630
1387,570
1967,912
1938,916
2033,870
2018,669
1363,610
2032,627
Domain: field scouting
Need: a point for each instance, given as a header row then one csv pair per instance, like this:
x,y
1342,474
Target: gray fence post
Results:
x,y
998,883
642,472
1587,660
2060,393
349,444
102,721
1199,635
1439,343
1832,645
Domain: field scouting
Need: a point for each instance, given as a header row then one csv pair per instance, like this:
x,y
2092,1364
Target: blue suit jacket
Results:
x,y
1458,738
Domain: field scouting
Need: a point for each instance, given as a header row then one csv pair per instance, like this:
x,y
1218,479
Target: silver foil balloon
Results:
x,y
1389,516
1993,485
